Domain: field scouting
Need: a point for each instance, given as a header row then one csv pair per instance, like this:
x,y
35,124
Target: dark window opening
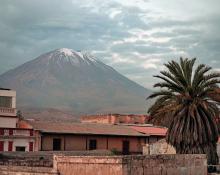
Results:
x,y
92,144
31,133
125,147
1,131
1,145
31,146
10,132
56,144
20,148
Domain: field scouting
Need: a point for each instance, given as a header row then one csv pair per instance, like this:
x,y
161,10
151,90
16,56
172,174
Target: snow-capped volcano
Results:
x,y
69,52
71,57
76,81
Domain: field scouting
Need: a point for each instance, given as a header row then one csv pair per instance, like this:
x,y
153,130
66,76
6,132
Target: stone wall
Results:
x,y
23,170
116,118
67,164
131,165
25,159
159,147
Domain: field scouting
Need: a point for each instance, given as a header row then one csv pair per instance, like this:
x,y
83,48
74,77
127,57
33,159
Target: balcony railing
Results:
x,y
16,132
7,111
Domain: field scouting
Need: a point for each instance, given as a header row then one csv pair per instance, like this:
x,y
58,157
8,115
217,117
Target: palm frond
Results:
x,y
188,102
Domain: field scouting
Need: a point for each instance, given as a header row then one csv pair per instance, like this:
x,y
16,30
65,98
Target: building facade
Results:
x,y
12,138
116,119
123,139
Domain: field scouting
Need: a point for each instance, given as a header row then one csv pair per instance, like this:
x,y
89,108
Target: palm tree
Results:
x,y
186,99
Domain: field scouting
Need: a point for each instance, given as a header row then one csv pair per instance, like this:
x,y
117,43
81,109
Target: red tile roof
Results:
x,y
85,128
151,130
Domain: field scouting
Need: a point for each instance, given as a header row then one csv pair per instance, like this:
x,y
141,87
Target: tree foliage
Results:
x,y
186,99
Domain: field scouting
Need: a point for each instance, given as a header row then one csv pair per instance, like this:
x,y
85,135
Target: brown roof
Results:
x,y
154,130
84,128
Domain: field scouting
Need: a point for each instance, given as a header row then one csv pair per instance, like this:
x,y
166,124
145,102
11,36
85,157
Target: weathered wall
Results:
x,y
8,122
88,165
78,143
132,165
110,165
96,119
115,118
27,160
159,147
75,143
23,170
135,144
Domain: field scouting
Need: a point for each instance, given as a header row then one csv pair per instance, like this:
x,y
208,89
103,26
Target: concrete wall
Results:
x,y
80,143
159,147
26,159
115,118
23,142
8,122
97,119
135,144
132,165
105,165
18,137
23,170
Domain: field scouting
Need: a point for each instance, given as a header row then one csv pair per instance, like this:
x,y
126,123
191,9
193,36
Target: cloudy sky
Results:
x,y
134,36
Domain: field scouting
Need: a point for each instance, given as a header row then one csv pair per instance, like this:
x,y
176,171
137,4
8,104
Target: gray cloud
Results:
x,y
135,37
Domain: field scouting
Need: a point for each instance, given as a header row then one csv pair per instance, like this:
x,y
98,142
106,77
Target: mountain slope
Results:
x,y
74,81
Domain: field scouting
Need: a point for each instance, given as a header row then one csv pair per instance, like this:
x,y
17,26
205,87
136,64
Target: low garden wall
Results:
x,y
24,170
26,159
45,163
131,165
42,158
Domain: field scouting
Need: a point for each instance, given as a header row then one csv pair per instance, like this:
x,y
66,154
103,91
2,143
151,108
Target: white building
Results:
x,y
12,138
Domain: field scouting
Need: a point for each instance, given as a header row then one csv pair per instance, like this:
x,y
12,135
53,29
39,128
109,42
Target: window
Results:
x,y
56,144
20,148
10,132
31,133
5,102
1,131
92,144
31,145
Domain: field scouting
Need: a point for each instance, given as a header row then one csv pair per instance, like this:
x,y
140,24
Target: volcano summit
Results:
x,y
74,81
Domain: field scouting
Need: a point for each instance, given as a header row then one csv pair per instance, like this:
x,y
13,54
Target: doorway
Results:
x,y
56,144
125,147
92,144
20,148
